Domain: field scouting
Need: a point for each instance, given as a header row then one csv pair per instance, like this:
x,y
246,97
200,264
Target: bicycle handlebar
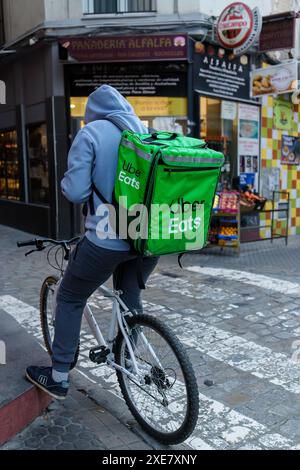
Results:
x,y
40,242
28,243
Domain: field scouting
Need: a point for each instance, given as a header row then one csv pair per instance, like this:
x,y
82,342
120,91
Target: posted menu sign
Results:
x,y
218,72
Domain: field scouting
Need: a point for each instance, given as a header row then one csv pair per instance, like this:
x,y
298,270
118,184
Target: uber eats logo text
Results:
x,y
130,176
187,216
182,206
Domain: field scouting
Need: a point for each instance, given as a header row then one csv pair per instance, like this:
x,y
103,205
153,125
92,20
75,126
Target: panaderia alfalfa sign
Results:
x,y
127,48
239,27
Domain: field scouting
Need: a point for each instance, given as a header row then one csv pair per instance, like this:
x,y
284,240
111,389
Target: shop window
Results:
x,y
38,164
9,166
160,113
119,6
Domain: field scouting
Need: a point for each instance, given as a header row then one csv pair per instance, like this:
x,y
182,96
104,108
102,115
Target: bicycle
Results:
x,y
154,372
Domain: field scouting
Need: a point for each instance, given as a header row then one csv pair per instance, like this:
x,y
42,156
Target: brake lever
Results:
x,y
33,251
30,252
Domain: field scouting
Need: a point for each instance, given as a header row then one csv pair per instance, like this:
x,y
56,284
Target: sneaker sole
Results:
x,y
56,397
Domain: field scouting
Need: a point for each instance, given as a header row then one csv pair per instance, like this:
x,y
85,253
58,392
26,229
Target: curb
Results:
x,y
20,401
20,412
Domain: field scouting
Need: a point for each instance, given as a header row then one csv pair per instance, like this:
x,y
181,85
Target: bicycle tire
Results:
x,y
192,412
51,280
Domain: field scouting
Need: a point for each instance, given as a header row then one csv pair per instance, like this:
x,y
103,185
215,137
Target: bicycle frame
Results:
x,y
117,319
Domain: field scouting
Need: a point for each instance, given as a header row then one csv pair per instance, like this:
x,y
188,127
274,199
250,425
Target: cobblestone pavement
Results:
x,y
238,317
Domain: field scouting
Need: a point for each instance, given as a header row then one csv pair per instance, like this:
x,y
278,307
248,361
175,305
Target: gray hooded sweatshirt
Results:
x,y
93,157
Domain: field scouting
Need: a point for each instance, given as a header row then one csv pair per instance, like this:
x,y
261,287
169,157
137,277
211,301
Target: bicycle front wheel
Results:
x,y
164,397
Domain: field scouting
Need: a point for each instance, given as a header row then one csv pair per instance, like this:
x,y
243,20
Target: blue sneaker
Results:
x,y
42,378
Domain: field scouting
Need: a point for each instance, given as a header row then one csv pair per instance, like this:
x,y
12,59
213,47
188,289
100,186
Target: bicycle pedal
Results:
x,y
98,355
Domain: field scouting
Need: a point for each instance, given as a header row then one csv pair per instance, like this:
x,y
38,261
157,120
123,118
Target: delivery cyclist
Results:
x,y
93,158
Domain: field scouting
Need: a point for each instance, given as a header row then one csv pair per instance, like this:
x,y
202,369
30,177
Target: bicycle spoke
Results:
x,y
162,402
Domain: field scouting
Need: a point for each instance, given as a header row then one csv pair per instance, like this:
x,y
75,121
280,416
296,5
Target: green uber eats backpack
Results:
x,y
164,192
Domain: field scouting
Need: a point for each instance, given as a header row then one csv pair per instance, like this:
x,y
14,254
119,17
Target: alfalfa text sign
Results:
x,y
127,48
274,80
218,72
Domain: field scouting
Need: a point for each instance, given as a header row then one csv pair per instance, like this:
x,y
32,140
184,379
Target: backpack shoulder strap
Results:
x,y
122,127
117,122
96,191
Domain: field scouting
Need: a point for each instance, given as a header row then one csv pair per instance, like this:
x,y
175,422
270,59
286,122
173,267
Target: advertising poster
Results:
x,y
248,143
290,150
270,181
247,179
283,115
274,80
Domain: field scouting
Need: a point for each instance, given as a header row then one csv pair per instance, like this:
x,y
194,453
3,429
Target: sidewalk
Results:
x,y
238,317
80,423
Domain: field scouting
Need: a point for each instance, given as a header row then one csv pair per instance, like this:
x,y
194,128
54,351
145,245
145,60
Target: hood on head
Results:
x,y
107,102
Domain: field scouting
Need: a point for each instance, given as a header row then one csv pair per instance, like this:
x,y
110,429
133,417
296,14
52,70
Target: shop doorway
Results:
x,y
219,128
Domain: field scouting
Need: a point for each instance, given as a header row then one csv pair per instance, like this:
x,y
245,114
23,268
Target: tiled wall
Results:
x,y
271,158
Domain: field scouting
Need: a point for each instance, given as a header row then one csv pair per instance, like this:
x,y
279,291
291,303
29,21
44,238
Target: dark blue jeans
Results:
x,y
90,266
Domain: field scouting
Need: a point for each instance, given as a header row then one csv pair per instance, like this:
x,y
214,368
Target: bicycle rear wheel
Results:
x,y
47,316
167,405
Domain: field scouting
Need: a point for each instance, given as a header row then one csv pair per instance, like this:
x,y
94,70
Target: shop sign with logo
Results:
x,y
274,80
283,115
126,48
278,32
218,72
239,27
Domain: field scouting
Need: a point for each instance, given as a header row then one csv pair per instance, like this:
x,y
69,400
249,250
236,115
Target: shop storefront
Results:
x,y
250,114
229,121
33,143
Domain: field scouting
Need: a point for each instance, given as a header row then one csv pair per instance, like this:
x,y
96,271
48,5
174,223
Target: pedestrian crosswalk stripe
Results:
x,y
258,280
228,427
236,351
